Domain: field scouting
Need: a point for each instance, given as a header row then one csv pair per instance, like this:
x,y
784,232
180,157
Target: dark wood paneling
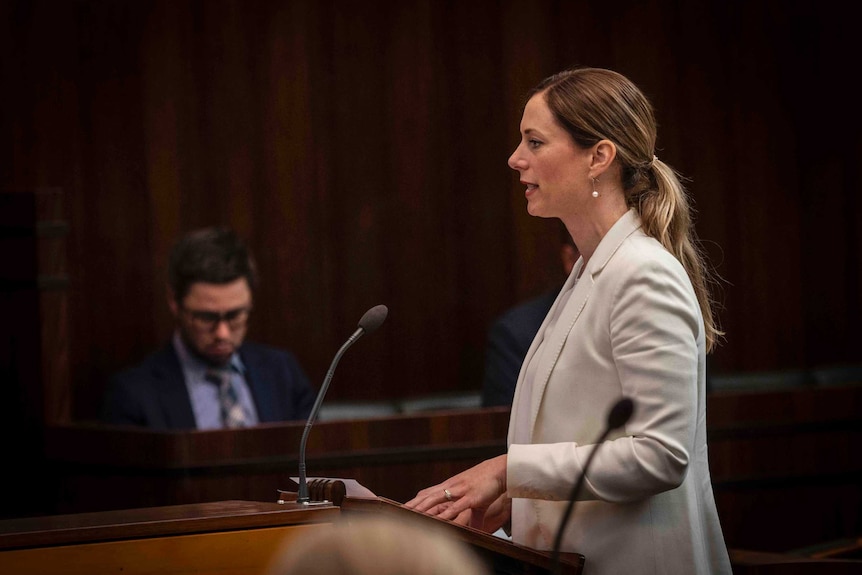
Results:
x,y
98,469
784,465
361,148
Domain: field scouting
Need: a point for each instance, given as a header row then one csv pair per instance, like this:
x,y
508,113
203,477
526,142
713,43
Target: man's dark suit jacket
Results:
x,y
509,341
154,395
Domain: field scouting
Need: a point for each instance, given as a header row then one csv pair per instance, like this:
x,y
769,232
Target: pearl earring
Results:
x,y
595,191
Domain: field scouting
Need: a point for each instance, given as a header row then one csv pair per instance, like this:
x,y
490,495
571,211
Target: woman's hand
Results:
x,y
497,515
475,496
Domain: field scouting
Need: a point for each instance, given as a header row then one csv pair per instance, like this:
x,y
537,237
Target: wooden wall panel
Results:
x,y
361,148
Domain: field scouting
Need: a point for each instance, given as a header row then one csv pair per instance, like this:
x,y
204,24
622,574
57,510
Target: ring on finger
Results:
x,y
448,494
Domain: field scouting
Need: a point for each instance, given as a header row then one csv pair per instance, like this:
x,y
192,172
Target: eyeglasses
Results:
x,y
209,320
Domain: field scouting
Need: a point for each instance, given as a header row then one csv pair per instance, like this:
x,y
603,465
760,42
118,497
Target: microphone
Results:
x,y
371,320
619,414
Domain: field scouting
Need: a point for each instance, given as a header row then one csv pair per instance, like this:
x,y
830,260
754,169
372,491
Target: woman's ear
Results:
x,y
604,153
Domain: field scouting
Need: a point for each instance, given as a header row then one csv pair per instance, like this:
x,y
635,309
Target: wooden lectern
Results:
x,y
228,537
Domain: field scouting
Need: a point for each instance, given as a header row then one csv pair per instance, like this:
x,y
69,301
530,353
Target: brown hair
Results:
x,y
594,104
212,255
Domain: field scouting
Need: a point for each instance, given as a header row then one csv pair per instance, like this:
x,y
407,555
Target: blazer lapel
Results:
x,y
172,392
556,341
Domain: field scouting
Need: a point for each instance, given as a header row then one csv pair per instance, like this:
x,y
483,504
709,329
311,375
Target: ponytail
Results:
x,y
666,215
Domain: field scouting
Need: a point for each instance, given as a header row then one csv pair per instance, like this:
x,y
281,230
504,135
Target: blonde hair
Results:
x,y
594,104
377,545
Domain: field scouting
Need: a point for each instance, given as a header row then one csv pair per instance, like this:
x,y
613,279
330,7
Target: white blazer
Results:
x,y
630,326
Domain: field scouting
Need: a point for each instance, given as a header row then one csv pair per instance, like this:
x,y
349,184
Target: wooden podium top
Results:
x,y
156,521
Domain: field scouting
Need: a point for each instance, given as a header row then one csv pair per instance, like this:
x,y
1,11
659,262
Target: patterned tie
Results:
x,y
232,413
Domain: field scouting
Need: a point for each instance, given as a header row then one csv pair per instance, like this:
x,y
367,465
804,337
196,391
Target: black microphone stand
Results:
x,y
369,322
302,495
618,416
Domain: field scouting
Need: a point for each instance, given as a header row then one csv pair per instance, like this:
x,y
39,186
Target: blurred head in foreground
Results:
x,y
377,545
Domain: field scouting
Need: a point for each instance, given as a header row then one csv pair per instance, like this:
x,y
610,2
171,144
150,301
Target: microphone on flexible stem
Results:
x,y
372,319
619,414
